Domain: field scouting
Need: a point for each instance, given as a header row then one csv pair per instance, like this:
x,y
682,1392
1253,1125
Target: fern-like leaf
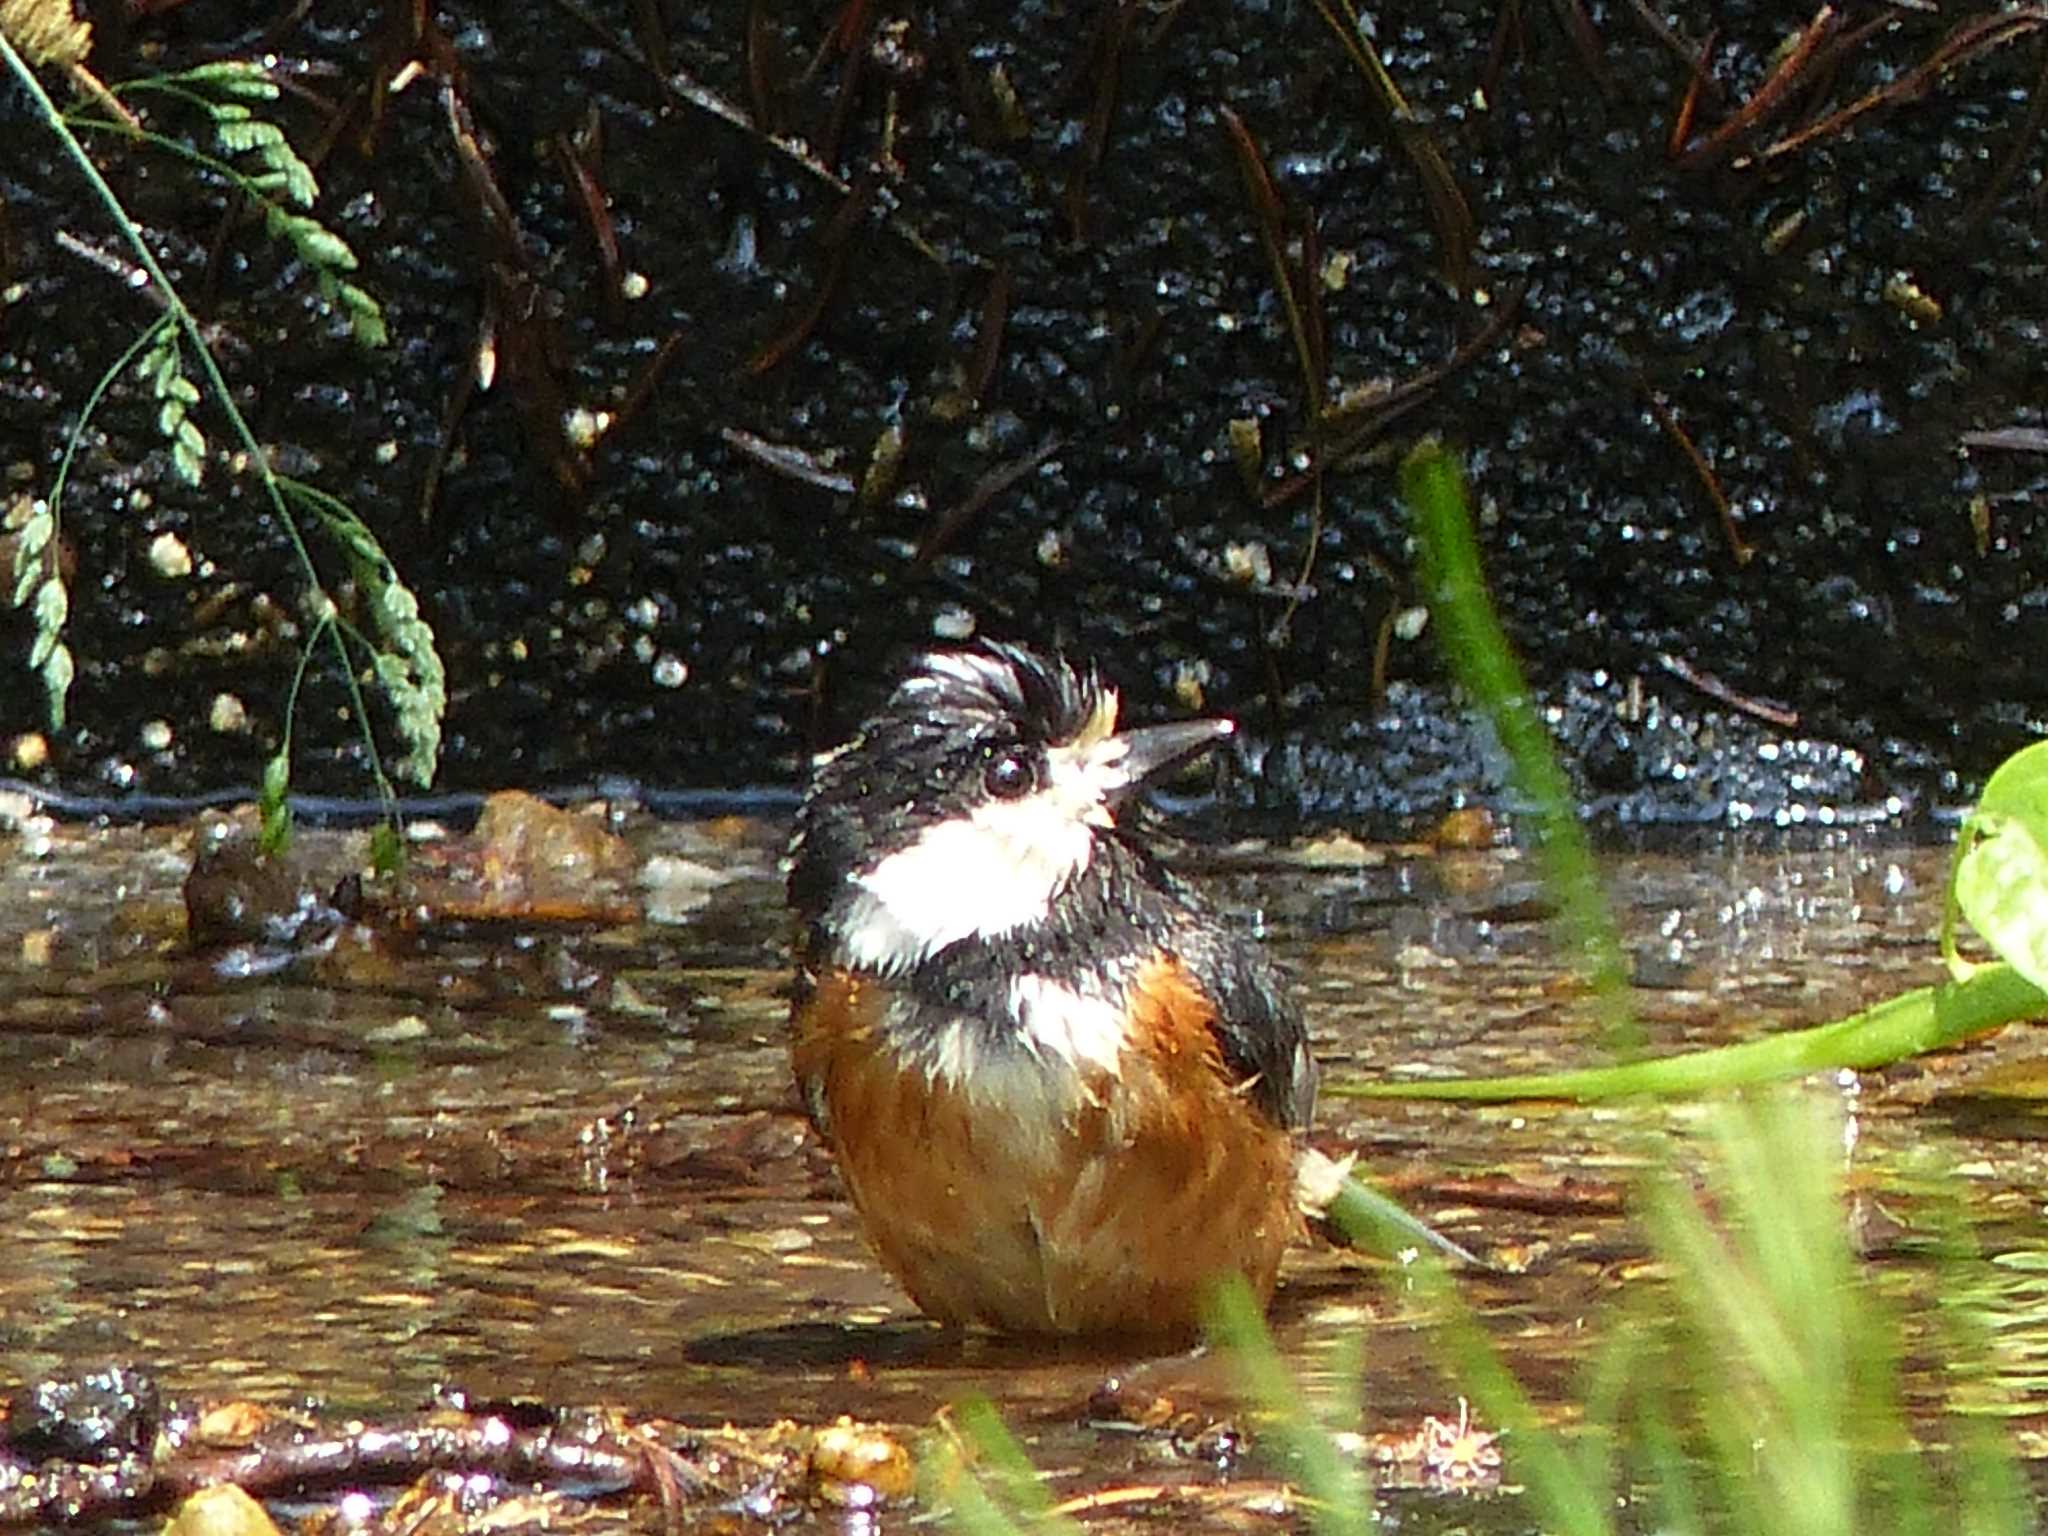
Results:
x,y
320,247
52,608
365,314
37,527
58,675
39,588
163,366
233,77
407,665
241,134
274,802
258,158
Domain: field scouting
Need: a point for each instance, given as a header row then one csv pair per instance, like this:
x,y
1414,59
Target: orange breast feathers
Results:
x,y
1007,1187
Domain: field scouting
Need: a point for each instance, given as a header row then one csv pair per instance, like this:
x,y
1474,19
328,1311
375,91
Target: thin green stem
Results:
x,y
291,695
178,148
92,400
167,85
188,324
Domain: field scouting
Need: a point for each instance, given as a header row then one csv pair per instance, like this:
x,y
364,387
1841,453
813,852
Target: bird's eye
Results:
x,y
1009,776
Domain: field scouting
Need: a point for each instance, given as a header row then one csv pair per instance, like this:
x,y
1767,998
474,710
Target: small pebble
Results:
x,y
222,1510
229,715
857,1465
167,552
1470,826
400,1030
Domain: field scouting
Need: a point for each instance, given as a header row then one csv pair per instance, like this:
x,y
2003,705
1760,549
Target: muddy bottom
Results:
x,y
559,1161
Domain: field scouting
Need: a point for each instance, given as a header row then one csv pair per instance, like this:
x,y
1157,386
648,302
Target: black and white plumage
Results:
x,y
989,962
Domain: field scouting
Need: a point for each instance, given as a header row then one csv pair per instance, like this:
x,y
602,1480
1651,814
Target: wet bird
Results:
x,y
1065,1095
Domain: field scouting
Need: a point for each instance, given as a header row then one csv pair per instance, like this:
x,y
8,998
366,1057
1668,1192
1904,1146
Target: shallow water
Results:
x,y
561,1162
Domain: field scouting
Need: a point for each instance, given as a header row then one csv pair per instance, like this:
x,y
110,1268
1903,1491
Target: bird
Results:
x,y
1066,1095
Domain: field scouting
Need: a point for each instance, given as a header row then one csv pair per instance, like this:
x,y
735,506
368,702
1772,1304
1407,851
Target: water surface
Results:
x,y
561,1161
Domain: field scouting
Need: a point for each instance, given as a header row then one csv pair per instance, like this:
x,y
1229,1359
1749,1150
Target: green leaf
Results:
x,y
275,835
57,676
2019,786
188,452
2001,876
239,138
53,607
33,538
299,185
999,1483
366,320
160,365
318,245
399,606
1343,1497
234,77
1476,646
274,804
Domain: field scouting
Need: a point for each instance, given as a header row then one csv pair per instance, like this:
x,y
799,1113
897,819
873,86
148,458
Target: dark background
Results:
x,y
1063,305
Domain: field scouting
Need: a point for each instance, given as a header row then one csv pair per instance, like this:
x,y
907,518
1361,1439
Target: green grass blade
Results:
x,y
1378,1224
998,1492
1925,1019
1479,655
1342,1498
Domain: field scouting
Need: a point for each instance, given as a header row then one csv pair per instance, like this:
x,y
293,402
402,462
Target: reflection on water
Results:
x,y
564,1164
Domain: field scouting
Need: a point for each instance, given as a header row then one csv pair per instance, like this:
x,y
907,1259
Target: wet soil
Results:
x,y
561,1162
1051,281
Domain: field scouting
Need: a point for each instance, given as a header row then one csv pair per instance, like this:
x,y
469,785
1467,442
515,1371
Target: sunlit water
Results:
x,y
563,1163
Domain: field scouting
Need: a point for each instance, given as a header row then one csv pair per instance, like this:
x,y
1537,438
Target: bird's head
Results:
x,y
968,803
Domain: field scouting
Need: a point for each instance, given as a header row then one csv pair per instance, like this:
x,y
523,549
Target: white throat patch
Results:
x,y
1061,1024
1067,1035
989,872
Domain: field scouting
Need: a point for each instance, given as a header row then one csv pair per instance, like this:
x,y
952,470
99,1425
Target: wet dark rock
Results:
x,y
99,1416
238,894
687,615
529,845
1638,758
524,862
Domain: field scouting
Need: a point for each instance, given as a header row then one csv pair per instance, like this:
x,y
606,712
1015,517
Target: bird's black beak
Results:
x,y
1154,749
